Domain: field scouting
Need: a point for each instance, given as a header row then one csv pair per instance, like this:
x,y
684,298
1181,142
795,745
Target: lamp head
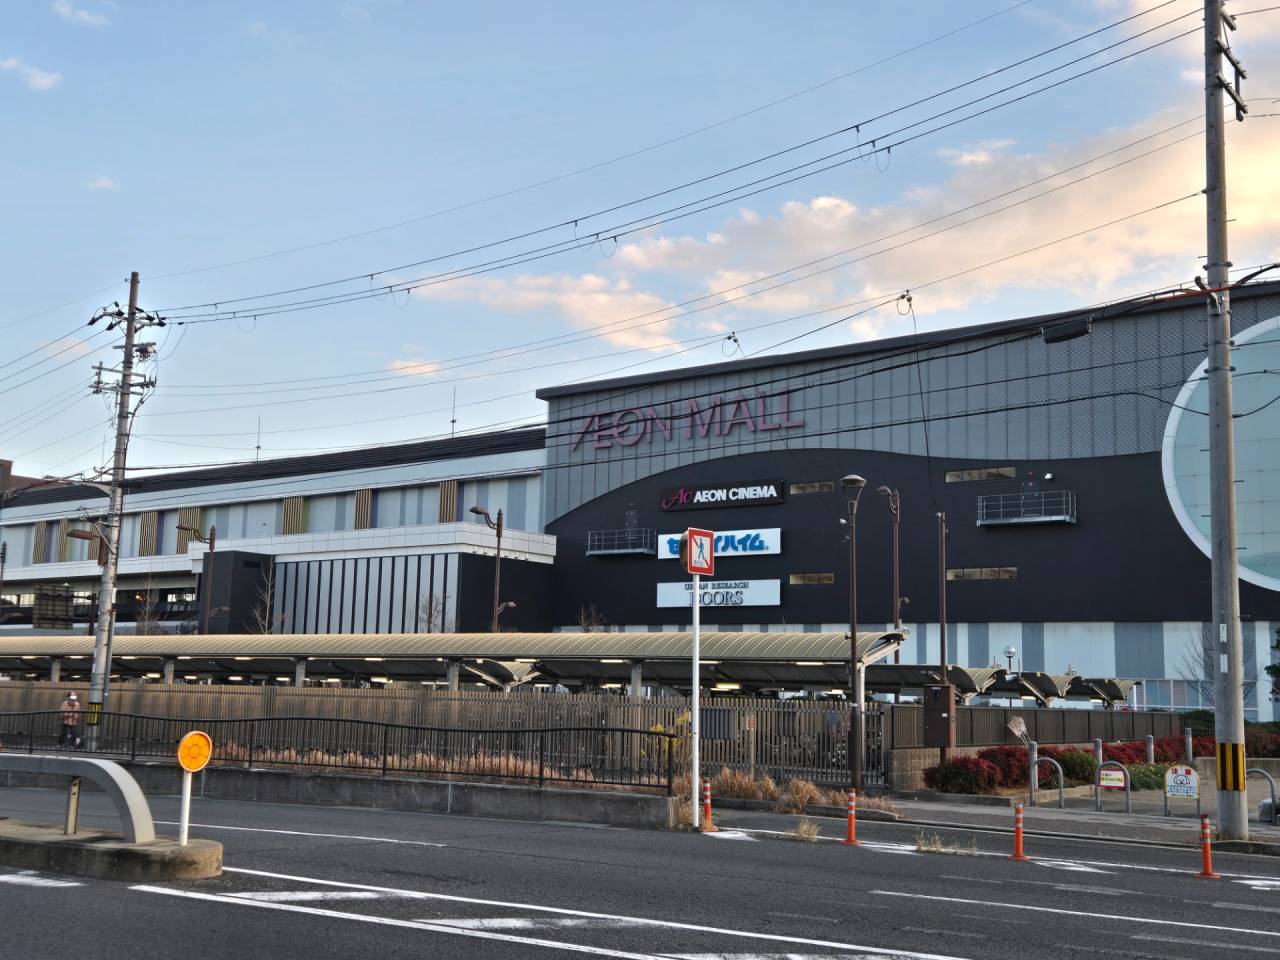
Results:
x,y
480,511
853,482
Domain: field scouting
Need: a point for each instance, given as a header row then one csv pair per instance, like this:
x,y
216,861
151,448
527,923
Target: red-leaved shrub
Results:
x,y
963,775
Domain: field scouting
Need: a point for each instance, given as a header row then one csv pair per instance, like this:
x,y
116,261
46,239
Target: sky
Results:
x,y
233,150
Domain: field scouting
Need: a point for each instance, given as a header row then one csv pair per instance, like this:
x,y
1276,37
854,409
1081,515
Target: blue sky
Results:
x,y
171,138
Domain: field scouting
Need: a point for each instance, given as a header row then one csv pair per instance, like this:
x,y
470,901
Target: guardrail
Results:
x,y
116,783
605,756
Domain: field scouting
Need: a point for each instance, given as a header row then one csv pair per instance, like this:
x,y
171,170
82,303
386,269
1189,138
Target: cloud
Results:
x,y
33,77
588,300
102,183
81,18
413,367
66,346
982,152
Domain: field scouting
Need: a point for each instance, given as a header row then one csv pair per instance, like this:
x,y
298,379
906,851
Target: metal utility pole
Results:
x,y
944,752
853,485
497,526
1228,661
124,390
895,512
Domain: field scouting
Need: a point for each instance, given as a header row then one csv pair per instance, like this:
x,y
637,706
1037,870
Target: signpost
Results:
x,y
1110,779
699,560
194,751
1181,783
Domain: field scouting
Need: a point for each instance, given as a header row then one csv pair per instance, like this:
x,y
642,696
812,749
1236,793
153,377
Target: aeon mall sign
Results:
x,y
721,416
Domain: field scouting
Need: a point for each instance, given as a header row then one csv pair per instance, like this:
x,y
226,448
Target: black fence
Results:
x,y
989,726
585,756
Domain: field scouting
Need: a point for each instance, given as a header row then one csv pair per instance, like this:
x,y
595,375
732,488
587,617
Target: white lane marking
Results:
x,y
303,896
394,922
881,845
530,923
1081,913
1072,866
303,833
1258,883
565,911
29,878
1229,947
1246,906
771,956
731,835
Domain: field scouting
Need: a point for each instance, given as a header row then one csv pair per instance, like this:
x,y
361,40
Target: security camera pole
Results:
x,y
698,553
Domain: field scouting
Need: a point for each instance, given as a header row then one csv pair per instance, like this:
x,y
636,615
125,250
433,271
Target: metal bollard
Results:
x,y
1033,771
1206,850
851,808
708,825
1018,853
1189,741
1151,749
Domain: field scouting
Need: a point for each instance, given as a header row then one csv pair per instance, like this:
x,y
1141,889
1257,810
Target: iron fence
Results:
x,y
989,726
589,756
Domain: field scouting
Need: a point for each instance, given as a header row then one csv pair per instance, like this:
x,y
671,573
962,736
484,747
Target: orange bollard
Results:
x,y
851,807
1017,834
1206,850
708,825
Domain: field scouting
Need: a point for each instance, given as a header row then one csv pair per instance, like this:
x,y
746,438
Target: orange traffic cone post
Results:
x,y
1206,850
851,808
1018,853
708,825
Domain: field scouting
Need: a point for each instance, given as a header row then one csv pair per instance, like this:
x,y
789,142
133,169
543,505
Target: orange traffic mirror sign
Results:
x,y
194,751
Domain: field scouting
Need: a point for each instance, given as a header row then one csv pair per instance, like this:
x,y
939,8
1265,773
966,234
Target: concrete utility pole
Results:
x,y
100,679
944,753
1227,659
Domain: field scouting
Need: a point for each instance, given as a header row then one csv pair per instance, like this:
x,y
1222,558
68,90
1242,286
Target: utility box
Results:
x,y
939,715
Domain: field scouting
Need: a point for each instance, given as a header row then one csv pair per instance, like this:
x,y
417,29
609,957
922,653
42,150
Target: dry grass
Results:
x,y
933,843
883,804
743,786
805,830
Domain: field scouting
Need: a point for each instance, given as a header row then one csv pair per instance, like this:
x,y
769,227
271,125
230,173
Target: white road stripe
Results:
x,y
1072,866
1246,906
1081,913
878,952
1259,883
303,833
29,878
1228,947
771,956
404,924
304,896
730,835
530,923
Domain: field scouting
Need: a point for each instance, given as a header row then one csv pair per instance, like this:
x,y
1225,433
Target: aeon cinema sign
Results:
x,y
723,416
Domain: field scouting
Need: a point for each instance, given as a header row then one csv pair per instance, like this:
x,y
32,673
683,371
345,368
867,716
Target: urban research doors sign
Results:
x,y
729,543
722,593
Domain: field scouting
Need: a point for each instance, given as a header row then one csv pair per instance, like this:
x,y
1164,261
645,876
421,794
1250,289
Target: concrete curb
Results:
x,y
105,856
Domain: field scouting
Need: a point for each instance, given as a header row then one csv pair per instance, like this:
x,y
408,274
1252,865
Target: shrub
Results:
x,y
1200,721
1147,776
1259,743
963,775
1078,765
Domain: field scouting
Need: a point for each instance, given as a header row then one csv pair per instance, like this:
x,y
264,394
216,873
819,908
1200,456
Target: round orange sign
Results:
x,y
194,751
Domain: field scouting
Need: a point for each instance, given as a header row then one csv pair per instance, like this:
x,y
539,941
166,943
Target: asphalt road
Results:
x,y
336,883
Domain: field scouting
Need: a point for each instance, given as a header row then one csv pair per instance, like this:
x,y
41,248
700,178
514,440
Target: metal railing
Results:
x,y
1035,506
589,756
634,540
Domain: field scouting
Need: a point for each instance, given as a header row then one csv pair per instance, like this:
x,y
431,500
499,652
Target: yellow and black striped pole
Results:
x,y
1231,766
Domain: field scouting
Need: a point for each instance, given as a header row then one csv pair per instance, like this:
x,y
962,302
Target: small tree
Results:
x,y
433,615
263,616
146,621
591,619
1194,664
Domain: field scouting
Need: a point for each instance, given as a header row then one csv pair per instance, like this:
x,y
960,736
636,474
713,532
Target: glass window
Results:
x,y
981,473
19,538
982,573
801,579
817,486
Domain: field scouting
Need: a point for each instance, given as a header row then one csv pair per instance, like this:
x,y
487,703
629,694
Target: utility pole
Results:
x,y
944,754
1228,660
124,390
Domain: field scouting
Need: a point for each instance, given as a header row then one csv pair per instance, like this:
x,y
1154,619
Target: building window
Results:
x,y
982,573
981,473
804,579
817,486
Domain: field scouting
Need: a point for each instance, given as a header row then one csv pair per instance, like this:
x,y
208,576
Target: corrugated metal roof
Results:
x,y
495,646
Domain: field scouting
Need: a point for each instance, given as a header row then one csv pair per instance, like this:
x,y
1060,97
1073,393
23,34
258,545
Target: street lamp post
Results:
x,y
853,485
496,526
212,541
895,511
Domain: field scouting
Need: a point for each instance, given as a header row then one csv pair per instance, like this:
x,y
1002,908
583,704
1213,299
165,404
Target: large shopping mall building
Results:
x,y
1067,452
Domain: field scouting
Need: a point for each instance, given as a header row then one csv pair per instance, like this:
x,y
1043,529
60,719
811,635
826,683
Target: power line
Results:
x,y
604,163
433,366
612,233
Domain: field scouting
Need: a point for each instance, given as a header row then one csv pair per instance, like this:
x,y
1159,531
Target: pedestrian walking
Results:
x,y
69,735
